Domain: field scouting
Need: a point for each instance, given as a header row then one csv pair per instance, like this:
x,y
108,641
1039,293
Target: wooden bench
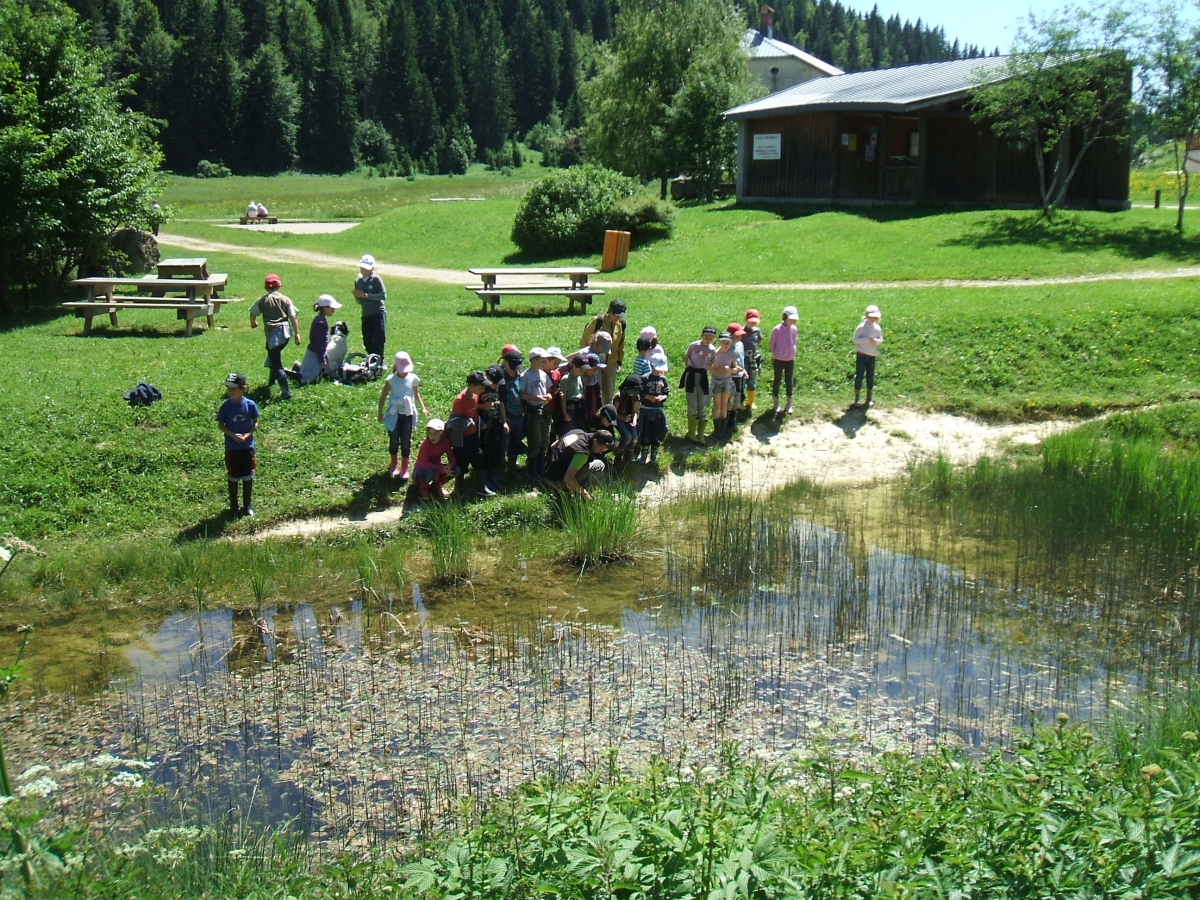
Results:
x,y
258,220
103,287
575,287
89,309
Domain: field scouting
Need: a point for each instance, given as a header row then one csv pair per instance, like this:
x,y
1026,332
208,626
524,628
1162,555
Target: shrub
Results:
x,y
569,211
206,169
373,145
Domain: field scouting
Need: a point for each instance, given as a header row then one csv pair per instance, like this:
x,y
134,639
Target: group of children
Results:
x,y
527,404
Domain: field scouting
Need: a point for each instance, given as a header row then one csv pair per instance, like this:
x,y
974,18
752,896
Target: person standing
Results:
x,y
612,322
695,381
535,402
784,339
867,338
279,321
237,418
751,340
400,420
723,367
371,296
509,389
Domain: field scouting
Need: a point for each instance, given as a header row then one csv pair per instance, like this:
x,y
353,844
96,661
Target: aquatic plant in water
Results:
x,y
605,529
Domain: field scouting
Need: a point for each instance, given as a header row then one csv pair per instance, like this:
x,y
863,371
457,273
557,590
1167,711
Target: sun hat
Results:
x,y
736,329
367,262
326,300
235,379
403,363
272,281
602,341
753,314
435,425
790,312
709,329
649,332
536,353
872,312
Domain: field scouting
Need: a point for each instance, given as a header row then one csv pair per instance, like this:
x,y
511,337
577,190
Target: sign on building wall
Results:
x,y
768,146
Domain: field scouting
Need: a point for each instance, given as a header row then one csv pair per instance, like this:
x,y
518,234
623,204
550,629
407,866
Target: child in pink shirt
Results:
x,y
784,338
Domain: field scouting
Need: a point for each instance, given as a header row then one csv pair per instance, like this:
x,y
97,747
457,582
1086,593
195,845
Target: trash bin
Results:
x,y
616,251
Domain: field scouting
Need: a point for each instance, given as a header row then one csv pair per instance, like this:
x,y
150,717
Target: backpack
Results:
x,y
142,395
360,368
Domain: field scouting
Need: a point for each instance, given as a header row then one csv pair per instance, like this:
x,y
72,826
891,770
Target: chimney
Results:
x,y
766,21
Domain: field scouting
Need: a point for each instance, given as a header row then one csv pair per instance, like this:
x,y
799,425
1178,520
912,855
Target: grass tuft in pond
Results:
x,y
451,535
605,529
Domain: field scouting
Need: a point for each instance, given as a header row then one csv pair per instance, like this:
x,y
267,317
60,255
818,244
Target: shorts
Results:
x,y
239,464
722,385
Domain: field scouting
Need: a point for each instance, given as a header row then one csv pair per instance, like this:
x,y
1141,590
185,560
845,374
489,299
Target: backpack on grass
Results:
x,y
360,368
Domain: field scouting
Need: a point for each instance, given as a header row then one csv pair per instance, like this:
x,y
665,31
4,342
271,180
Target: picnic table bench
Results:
x,y
575,288
201,294
258,220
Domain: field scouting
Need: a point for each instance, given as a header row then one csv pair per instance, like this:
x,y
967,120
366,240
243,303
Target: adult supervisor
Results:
x,y
577,459
371,294
279,320
613,322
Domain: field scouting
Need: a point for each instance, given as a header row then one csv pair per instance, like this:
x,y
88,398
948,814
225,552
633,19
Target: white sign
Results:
x,y
1191,162
768,146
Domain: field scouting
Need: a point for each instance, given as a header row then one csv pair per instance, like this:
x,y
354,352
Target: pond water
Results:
x,y
371,719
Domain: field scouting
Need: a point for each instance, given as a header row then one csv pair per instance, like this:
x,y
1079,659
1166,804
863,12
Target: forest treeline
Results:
x,y
261,86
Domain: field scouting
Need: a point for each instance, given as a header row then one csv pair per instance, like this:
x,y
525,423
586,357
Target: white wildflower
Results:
x,y
42,787
236,853
33,772
71,768
127,780
106,761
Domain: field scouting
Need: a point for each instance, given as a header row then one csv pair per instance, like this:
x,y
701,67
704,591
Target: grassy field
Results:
x,y
719,242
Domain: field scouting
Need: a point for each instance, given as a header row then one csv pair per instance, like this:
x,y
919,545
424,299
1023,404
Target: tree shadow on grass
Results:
x,y
528,312
644,238
1069,234
134,331
789,211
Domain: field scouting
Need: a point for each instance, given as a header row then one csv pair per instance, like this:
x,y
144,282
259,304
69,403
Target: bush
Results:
x,y
373,145
568,211
206,169
455,152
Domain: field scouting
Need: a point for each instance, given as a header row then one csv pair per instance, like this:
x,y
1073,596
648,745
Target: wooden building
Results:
x,y
901,135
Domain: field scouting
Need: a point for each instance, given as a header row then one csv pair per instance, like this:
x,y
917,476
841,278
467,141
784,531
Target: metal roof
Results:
x,y
898,90
758,46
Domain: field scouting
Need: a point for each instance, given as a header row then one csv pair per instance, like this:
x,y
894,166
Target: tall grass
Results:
x,y
605,529
451,537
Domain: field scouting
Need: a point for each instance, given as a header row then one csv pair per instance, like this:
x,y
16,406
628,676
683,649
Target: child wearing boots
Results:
x,y
867,338
492,429
722,367
435,461
751,340
238,419
628,404
652,418
784,339
400,420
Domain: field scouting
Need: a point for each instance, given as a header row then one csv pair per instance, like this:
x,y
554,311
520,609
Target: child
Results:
x,y
372,297
641,363
401,418
739,379
572,391
430,470
628,403
867,338
695,381
492,428
536,399
652,418
318,340
509,390
784,339
238,420
658,356
751,340
723,367
464,422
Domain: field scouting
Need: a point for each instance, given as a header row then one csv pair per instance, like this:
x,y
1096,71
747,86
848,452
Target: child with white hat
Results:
x,y
315,357
785,337
371,294
867,338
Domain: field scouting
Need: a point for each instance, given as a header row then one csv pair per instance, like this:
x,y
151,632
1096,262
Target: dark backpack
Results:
x,y
142,395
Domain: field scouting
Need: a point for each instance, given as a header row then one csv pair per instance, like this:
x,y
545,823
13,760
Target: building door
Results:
x,y
858,156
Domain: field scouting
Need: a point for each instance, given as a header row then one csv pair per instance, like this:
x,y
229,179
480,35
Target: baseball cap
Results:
x,y
736,329
235,379
725,336
536,353
602,341
509,348
592,360
709,329
272,281
477,377
513,356
617,307
752,314
327,300
435,425
403,363
367,262
872,312
608,414
649,332
790,312
553,353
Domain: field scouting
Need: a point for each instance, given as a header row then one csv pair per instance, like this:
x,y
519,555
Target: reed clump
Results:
x,y
605,529
451,537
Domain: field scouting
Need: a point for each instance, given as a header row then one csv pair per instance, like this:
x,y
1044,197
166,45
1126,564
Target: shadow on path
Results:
x,y
852,421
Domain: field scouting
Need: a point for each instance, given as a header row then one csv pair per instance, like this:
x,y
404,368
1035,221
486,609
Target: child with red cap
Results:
x,y
279,322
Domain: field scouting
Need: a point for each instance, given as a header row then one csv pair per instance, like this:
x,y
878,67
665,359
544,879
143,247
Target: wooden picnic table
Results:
x,y
187,268
575,288
201,297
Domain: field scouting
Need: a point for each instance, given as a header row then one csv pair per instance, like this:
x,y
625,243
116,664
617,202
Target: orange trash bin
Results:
x,y
616,251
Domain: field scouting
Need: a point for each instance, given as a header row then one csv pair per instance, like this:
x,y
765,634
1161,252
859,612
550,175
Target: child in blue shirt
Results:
x,y
238,419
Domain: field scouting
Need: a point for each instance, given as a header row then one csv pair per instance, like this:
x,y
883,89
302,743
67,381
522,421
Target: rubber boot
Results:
x,y
700,431
718,428
403,469
730,421
750,399
392,470
788,409
247,489
774,405
691,432
285,389
654,453
233,498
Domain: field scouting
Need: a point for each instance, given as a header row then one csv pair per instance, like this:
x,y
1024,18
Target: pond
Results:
x,y
753,628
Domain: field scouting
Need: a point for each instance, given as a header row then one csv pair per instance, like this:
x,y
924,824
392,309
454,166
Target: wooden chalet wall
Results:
x,y
824,156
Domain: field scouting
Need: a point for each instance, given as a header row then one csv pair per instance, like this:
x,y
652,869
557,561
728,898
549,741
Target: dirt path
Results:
x,y
453,276
858,448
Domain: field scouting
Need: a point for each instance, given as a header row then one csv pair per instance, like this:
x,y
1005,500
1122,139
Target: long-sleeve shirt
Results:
x,y
784,338
863,334
376,294
318,336
429,454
